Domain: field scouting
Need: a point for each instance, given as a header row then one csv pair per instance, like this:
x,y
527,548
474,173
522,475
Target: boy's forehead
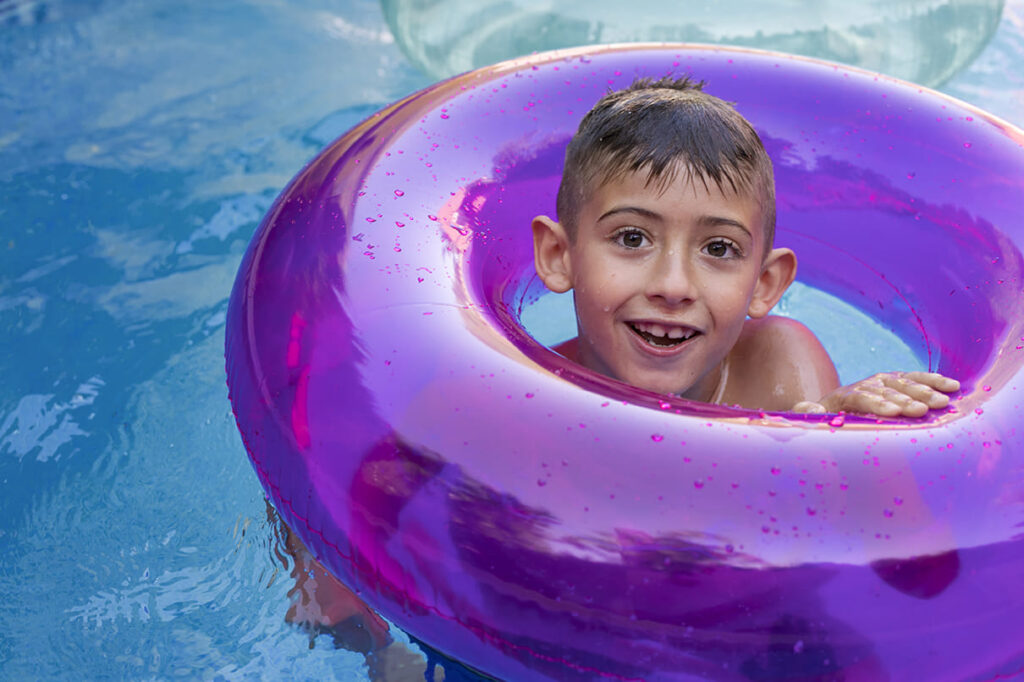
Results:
x,y
680,180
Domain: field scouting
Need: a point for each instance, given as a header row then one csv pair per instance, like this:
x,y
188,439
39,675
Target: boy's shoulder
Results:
x,y
776,363
769,332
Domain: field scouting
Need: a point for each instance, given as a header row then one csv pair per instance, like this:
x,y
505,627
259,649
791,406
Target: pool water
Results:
x,y
140,143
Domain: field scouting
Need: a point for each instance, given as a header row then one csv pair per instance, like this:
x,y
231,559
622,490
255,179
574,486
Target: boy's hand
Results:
x,y
890,394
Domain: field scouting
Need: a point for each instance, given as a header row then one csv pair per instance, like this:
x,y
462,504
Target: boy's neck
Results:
x,y
723,380
711,387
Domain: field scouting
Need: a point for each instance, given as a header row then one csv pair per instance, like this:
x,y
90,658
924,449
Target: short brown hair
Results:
x,y
665,126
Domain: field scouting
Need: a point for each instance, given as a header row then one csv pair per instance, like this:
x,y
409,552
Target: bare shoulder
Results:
x,y
780,362
777,334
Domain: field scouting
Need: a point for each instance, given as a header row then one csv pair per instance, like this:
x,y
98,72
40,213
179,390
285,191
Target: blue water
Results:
x,y
140,143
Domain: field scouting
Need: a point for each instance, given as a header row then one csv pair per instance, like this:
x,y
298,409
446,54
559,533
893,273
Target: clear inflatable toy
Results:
x,y
924,41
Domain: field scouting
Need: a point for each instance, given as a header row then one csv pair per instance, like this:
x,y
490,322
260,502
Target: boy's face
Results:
x,y
663,280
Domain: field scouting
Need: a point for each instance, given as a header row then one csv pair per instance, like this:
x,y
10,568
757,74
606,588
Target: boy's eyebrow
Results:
x,y
714,221
647,213
705,221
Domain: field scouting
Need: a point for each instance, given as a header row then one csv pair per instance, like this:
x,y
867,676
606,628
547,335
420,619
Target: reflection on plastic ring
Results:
x,y
538,521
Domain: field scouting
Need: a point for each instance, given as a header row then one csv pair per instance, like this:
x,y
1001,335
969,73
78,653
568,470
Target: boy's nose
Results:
x,y
671,280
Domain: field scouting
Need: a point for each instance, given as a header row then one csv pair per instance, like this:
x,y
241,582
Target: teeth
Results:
x,y
662,335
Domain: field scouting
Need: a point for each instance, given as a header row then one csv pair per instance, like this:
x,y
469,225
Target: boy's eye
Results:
x,y
631,239
721,249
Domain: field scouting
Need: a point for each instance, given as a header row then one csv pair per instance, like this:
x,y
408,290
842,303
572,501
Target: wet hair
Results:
x,y
665,127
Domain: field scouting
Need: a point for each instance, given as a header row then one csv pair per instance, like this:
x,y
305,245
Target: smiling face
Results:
x,y
664,278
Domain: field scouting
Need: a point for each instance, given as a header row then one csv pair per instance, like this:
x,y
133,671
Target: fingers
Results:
x,y
809,407
919,391
898,402
934,380
869,397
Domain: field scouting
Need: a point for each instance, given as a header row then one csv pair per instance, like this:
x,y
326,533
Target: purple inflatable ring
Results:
x,y
538,521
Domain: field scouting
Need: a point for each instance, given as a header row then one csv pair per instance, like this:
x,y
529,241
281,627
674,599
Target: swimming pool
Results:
x,y
140,143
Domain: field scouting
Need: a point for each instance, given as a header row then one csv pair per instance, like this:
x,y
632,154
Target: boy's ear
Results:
x,y
551,254
777,273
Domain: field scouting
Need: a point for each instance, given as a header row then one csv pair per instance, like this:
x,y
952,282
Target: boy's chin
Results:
x,y
646,379
659,384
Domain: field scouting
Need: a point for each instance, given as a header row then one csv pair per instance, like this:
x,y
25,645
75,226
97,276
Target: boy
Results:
x,y
667,208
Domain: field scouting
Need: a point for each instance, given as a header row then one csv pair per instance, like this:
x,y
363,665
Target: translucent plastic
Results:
x,y
925,41
538,521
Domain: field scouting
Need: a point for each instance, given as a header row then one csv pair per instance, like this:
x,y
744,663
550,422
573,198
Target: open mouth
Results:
x,y
662,336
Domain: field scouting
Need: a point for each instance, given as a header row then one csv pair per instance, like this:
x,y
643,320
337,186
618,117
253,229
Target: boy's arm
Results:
x,y
795,373
890,394
322,603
